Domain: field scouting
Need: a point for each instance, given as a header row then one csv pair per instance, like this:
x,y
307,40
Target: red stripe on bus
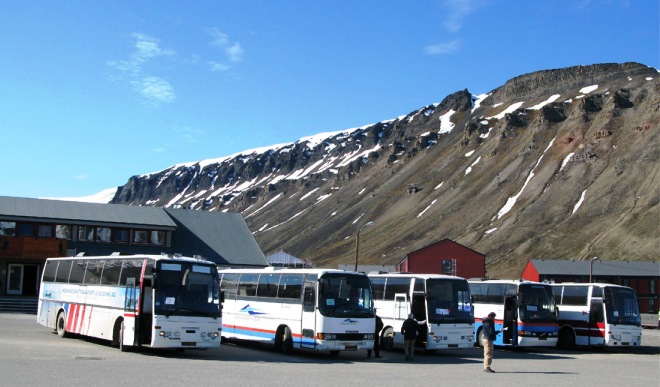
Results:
x,y
70,317
256,330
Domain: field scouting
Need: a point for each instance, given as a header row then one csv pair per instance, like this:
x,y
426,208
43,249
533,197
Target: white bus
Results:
x,y
133,301
527,309
440,303
597,315
317,309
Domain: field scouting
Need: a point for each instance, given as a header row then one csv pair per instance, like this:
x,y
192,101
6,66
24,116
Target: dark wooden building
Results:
x,y
445,257
642,277
32,230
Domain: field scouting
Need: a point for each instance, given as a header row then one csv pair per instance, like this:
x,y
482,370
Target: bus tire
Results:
x,y
122,346
284,340
334,353
479,342
566,339
387,341
60,325
116,332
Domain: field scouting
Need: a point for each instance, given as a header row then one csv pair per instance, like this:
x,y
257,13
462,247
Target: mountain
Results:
x,y
555,164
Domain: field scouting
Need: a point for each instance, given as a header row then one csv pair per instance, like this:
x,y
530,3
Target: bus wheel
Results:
x,y
388,339
284,340
566,339
122,346
479,341
60,325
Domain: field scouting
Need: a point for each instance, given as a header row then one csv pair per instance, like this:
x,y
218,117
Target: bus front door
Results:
x,y
595,335
130,305
308,318
401,311
510,336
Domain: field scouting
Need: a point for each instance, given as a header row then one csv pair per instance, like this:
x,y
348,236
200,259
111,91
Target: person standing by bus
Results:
x,y
409,331
379,327
489,334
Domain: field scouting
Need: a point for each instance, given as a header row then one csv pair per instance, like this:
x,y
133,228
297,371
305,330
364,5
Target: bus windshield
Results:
x,y
448,301
536,303
186,289
345,295
621,305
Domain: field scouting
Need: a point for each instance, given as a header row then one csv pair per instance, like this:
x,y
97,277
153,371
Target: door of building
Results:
x,y
22,280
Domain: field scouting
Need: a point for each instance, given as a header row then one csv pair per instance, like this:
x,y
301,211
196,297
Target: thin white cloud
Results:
x,y
220,39
147,47
233,51
443,48
153,89
457,12
218,67
188,134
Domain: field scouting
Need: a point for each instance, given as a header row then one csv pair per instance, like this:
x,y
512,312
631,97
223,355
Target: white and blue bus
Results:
x,y
440,303
527,309
316,309
597,315
133,300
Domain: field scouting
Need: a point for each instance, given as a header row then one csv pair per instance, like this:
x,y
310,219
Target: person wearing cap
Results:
x,y
488,336
409,331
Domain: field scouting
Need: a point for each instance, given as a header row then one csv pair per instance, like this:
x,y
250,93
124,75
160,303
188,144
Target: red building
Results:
x,y
445,257
642,277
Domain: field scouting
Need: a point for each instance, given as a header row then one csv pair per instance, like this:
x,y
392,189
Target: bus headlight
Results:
x,y
326,336
369,336
209,335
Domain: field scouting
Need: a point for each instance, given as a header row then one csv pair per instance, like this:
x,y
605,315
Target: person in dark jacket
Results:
x,y
379,327
488,336
409,331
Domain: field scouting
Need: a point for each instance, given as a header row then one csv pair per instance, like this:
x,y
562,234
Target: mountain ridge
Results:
x,y
521,172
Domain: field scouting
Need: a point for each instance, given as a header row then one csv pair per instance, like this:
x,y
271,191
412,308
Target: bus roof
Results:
x,y
412,275
505,281
275,269
595,284
135,256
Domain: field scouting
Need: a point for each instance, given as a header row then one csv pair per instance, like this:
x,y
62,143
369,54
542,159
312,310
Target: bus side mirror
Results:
x,y
154,280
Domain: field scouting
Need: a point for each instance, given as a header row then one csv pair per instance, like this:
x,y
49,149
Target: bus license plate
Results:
x,y
350,348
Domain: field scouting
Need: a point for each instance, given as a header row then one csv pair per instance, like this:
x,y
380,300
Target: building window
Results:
x,y
85,233
103,234
652,286
25,229
45,230
122,235
140,237
447,266
158,238
63,231
8,228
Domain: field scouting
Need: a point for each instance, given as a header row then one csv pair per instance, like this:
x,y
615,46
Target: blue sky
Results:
x,y
94,92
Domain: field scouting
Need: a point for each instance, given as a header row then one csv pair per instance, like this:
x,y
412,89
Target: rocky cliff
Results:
x,y
556,164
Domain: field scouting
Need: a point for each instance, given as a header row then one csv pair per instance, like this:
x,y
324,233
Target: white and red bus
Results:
x,y
316,309
597,315
133,300
527,309
440,303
